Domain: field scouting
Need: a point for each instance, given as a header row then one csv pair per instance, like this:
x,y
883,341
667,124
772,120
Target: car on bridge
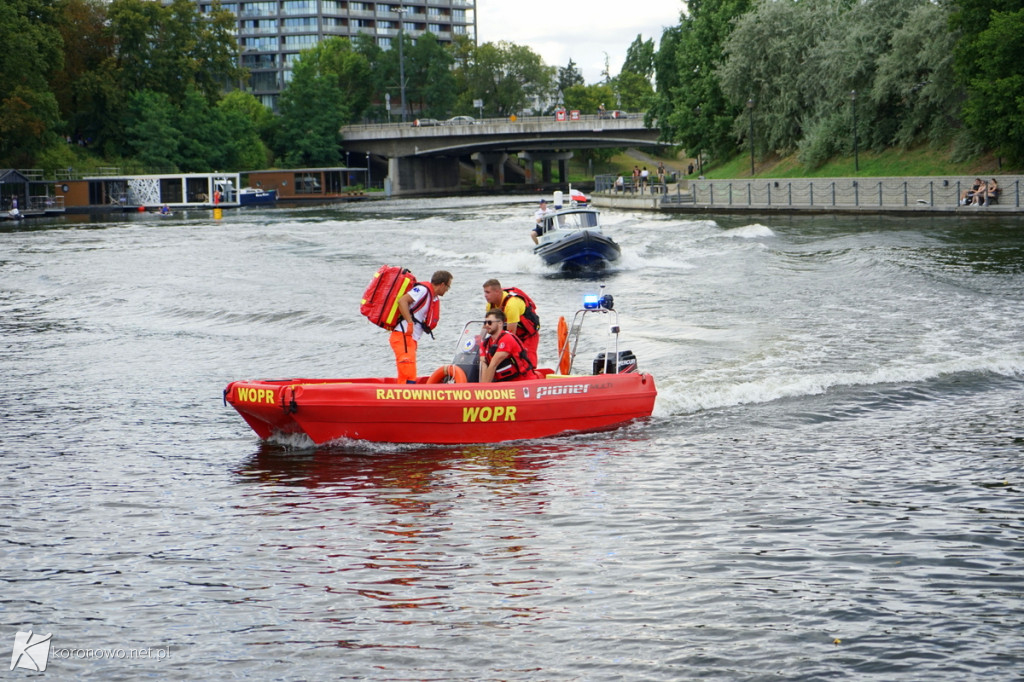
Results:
x,y
460,121
420,122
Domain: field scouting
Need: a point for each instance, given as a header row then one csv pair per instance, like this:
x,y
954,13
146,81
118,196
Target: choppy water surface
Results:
x,y
830,487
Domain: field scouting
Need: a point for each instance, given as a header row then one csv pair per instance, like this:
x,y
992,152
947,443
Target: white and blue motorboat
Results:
x,y
251,196
572,237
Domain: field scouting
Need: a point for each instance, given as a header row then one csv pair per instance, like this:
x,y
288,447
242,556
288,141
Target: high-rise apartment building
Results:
x,y
272,33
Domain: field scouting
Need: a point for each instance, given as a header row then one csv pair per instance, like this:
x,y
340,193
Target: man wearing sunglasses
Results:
x,y
502,356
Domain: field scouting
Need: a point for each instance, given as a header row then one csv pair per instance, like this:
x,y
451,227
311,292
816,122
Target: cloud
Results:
x,y
584,33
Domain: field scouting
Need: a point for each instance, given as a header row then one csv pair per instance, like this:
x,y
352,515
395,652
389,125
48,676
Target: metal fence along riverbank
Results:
x,y
880,194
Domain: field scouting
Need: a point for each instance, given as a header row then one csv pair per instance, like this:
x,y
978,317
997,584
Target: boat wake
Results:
x,y
680,396
754,231
293,442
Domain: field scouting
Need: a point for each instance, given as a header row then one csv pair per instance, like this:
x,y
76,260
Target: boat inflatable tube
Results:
x,y
447,374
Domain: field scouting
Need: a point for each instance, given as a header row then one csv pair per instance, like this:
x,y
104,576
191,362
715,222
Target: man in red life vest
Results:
x,y
502,356
420,309
520,313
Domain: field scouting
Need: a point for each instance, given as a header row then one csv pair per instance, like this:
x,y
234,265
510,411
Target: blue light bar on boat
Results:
x,y
591,301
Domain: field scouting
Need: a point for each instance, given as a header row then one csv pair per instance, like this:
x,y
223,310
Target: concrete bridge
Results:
x,y
426,158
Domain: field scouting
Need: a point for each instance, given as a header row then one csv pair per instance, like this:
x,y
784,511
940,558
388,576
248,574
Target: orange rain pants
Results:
x,y
405,355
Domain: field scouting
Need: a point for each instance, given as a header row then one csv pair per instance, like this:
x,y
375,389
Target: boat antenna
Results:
x,y
607,304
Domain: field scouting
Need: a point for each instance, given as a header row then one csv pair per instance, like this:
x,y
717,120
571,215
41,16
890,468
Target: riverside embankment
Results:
x,y
898,195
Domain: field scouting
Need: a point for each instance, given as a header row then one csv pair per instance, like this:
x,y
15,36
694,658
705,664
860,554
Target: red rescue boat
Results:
x,y
382,410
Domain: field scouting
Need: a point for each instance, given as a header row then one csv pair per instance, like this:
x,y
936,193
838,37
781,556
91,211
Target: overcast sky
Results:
x,y
576,29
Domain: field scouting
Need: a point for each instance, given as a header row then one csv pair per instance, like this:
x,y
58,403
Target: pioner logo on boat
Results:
x,y
564,389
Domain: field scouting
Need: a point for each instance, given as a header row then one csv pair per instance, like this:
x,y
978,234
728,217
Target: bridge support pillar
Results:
x,y
495,161
545,158
413,174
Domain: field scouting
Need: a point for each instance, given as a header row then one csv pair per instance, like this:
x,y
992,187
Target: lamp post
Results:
x,y
369,180
750,110
856,155
401,56
700,150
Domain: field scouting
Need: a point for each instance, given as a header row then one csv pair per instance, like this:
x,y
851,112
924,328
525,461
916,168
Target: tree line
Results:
x,y
817,77
161,85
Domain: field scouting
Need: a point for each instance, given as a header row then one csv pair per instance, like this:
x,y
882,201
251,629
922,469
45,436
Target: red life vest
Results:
x,y
433,313
529,321
516,366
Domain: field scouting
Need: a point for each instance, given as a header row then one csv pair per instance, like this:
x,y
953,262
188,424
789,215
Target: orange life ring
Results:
x,y
444,373
564,361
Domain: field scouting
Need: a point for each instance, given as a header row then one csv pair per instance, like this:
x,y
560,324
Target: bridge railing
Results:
x,y
587,119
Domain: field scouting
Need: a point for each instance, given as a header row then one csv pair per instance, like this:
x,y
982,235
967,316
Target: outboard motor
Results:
x,y
623,362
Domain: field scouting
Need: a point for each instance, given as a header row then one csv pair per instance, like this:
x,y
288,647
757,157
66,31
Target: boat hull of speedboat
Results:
x,y
382,410
580,249
254,197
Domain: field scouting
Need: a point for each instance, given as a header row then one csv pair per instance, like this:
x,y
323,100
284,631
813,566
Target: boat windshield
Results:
x,y
572,220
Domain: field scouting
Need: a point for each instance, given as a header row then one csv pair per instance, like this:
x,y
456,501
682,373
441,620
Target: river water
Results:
x,y
830,487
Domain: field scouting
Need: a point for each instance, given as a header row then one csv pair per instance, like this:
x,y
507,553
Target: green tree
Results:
x,y
27,121
855,42
151,130
250,124
587,98
335,58
990,65
383,77
86,88
633,84
690,107
172,48
777,53
633,90
569,76
431,83
312,110
768,58
206,143
32,53
214,52
640,58
507,77
917,75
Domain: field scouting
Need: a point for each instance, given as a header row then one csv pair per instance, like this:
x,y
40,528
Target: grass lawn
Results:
x,y
889,163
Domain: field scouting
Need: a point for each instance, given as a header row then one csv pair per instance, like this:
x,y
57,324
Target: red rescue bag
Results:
x,y
380,300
